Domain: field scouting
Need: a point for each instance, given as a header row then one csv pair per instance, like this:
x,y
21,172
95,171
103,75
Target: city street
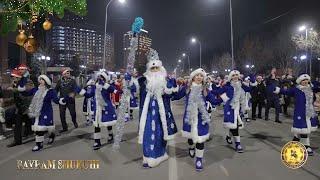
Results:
x,y
262,141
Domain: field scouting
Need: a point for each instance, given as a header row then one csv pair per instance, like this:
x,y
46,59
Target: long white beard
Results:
x,y
156,82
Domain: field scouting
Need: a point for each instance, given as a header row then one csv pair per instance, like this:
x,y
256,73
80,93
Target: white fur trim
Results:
x,y
98,118
199,153
233,73
236,138
198,71
106,86
104,75
303,77
61,101
302,130
90,82
97,135
153,162
224,97
45,78
236,117
39,138
42,128
277,91
82,92
21,89
305,141
313,129
254,84
144,117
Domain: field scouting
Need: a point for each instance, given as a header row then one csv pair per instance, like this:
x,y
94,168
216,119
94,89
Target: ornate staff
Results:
x,y
124,105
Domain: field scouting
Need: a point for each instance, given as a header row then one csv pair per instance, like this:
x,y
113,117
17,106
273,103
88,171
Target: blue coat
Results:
x,y
133,90
232,117
104,115
45,121
89,105
301,123
156,125
198,131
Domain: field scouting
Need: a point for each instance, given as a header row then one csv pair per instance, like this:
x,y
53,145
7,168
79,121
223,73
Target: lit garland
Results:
x,y
12,11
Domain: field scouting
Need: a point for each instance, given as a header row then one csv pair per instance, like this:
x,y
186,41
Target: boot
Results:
x,y
39,143
51,138
97,143
198,162
238,147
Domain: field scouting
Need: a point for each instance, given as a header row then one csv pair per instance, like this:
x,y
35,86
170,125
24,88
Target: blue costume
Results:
x,y
157,124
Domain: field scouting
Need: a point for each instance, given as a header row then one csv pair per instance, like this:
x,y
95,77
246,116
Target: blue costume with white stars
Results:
x,y
157,124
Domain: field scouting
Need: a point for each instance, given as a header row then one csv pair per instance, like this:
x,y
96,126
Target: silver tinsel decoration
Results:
x,y
124,105
196,104
239,98
37,102
310,112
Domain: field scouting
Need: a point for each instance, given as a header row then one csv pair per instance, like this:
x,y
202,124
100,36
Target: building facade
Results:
x,y
72,37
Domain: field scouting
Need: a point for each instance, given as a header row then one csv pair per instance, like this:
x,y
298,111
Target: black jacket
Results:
x,y
258,92
66,86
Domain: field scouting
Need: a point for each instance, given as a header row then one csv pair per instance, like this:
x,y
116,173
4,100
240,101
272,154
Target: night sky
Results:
x,y
171,23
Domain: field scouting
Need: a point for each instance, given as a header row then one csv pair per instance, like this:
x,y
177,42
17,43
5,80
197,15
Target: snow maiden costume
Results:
x,y
41,110
304,118
104,111
233,95
157,124
88,110
196,118
134,89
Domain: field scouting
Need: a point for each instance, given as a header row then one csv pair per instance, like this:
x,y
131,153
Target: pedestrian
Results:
x,y
22,103
305,118
116,96
41,110
104,111
233,95
157,125
88,111
287,82
273,100
258,95
196,118
134,90
66,87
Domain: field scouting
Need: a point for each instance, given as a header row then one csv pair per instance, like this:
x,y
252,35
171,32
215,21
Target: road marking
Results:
x,y
224,170
173,169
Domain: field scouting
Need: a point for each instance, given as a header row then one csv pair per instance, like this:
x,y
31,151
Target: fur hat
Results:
x,y
198,71
104,75
45,78
303,77
232,73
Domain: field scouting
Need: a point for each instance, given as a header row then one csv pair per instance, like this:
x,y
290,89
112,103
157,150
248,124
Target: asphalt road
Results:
x,y
262,142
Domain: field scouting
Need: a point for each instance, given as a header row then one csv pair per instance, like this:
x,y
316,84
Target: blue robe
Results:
x,y
197,131
156,127
301,123
232,117
104,115
133,90
89,104
45,121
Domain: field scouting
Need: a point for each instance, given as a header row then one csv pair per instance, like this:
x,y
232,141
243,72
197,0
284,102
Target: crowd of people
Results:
x,y
151,94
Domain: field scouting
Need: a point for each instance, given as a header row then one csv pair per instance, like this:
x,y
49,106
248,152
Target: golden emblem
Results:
x,y
294,155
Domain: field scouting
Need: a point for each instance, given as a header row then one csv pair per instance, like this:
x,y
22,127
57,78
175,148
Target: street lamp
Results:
x,y
105,32
193,41
179,61
301,29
